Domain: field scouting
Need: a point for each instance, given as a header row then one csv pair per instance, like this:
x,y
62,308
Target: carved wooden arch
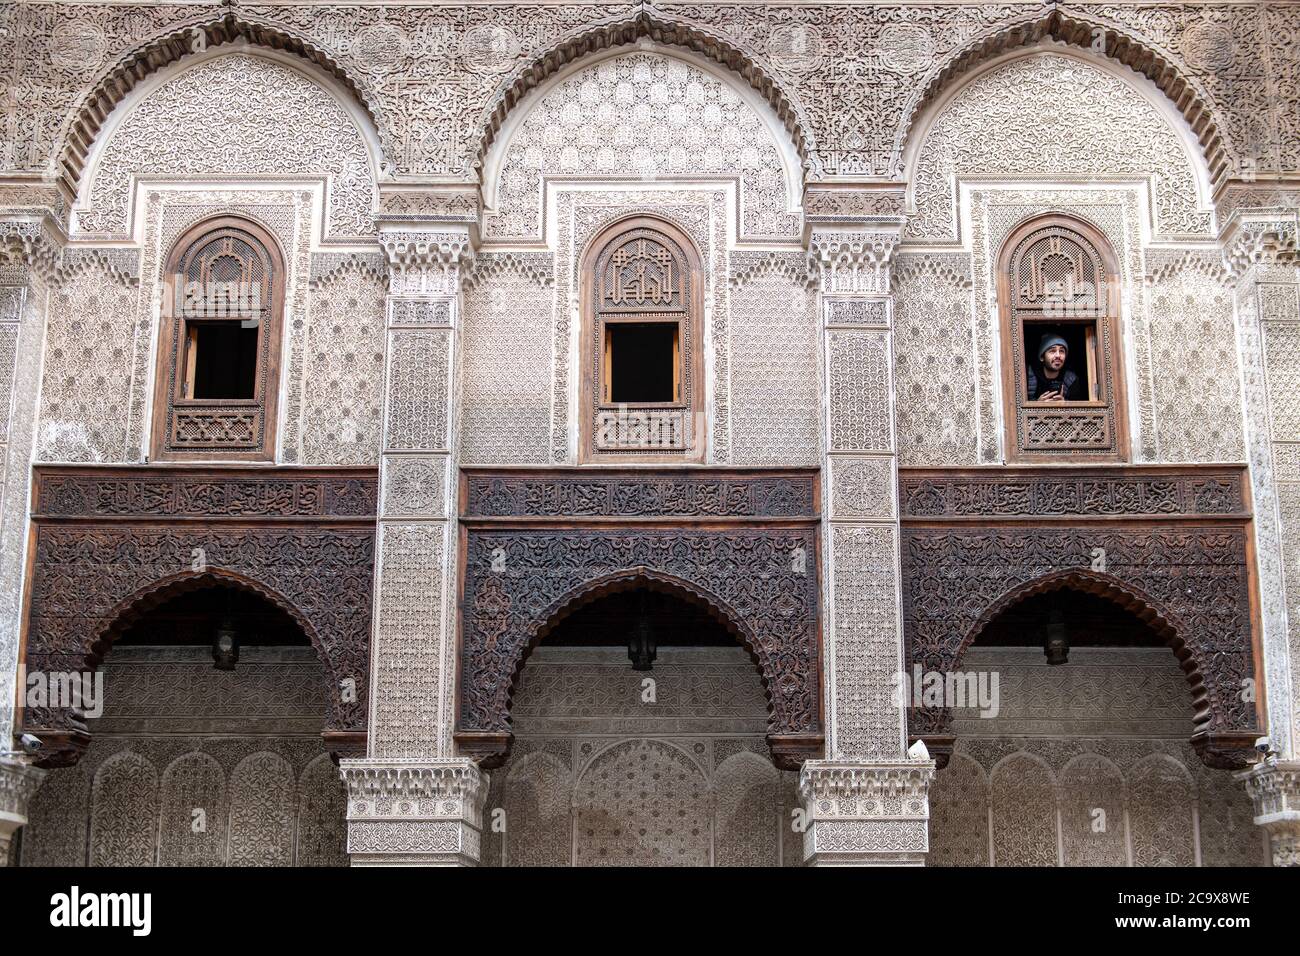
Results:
x,y
661,27
1123,596
116,81
1215,748
1162,68
142,602
110,543
138,605
538,544
1175,542
657,581
787,752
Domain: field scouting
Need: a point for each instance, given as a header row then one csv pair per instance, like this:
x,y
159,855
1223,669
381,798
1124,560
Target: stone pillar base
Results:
x,y
1275,790
414,812
873,813
18,781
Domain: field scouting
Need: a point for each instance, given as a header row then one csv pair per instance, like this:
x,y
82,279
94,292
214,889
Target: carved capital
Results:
x,y
1260,242
431,206
414,812
19,781
840,205
1274,788
427,262
34,242
864,814
853,261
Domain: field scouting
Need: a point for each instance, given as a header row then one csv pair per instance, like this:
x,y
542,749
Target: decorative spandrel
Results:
x,y
540,545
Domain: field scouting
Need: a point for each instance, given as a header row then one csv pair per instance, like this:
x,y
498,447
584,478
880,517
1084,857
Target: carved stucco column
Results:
x,y
866,802
1260,251
412,800
1275,790
19,780
30,254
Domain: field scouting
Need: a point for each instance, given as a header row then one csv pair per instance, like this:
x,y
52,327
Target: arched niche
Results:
x,y
1054,114
232,114
638,113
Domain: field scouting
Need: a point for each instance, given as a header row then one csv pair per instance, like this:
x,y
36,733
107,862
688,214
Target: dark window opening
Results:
x,y
1089,621
607,622
223,358
192,618
641,362
1080,360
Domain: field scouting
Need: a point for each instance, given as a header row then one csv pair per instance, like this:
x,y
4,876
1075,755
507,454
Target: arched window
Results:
x,y
219,351
1059,296
641,333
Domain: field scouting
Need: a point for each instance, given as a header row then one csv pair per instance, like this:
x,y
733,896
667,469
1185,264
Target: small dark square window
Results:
x,y
223,360
641,362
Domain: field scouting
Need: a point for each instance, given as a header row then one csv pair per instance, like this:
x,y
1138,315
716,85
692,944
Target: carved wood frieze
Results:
x,y
742,545
639,496
1094,494
1171,545
109,543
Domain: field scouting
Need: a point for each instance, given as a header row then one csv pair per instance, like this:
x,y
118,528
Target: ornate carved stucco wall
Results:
x,y
641,115
509,360
1181,370
1086,764
281,127
440,84
852,76
178,736
1058,116
227,114
1106,731
709,793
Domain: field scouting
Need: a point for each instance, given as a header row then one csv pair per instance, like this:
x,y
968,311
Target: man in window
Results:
x,y
1051,381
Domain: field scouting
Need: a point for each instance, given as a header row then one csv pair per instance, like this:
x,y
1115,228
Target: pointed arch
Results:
x,y
1161,806
116,82
1187,96
959,814
1023,800
131,609
647,23
194,780
538,802
1122,595
648,579
124,812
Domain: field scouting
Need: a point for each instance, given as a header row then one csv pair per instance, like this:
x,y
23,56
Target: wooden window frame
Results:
x,y
688,365
176,356
1104,371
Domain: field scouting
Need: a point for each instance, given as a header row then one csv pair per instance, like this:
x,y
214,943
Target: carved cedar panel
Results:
x,y
759,578
1175,551
644,496
110,543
